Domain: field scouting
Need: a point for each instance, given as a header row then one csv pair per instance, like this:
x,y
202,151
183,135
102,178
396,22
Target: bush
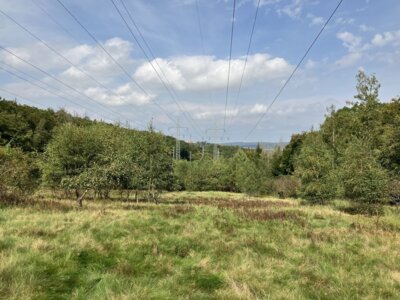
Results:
x,y
394,191
286,186
18,172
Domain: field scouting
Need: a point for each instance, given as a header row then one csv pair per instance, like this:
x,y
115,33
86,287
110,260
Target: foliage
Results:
x,y
364,180
30,128
18,172
102,157
286,186
283,162
313,166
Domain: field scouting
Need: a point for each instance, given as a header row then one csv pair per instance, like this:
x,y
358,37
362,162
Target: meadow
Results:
x,y
199,245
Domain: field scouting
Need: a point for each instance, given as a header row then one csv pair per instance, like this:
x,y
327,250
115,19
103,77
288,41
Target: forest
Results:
x,y
354,155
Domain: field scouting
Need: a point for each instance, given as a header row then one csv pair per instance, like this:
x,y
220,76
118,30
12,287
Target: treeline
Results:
x,y
31,129
53,149
354,155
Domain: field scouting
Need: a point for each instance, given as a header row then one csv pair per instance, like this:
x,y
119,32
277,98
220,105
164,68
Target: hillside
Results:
x,y
31,128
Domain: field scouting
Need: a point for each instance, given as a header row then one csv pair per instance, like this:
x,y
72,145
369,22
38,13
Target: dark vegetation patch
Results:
x,y
235,204
16,200
38,232
364,209
178,210
268,215
203,279
137,207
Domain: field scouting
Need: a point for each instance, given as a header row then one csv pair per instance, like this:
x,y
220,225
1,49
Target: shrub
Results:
x,y
287,186
18,171
394,191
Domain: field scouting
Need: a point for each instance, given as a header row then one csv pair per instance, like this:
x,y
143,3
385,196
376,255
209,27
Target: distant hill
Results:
x,y
253,145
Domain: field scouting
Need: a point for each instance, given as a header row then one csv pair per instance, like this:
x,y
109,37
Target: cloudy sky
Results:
x,y
120,85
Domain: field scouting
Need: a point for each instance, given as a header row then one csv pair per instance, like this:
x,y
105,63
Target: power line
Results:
x,y
39,6
200,27
106,109
65,30
52,49
295,69
247,56
129,76
171,91
63,57
57,89
230,58
45,89
20,97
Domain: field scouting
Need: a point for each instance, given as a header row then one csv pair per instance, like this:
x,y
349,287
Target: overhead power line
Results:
x,y
53,49
54,20
230,58
200,26
78,42
106,109
295,69
57,89
246,59
20,97
64,58
162,77
128,75
47,90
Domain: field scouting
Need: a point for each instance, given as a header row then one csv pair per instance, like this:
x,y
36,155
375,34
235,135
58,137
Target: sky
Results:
x,y
189,46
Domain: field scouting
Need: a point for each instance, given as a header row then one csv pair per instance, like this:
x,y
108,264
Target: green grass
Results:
x,y
198,246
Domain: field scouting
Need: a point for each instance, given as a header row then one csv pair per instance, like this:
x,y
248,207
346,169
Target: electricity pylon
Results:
x,y
178,128
214,138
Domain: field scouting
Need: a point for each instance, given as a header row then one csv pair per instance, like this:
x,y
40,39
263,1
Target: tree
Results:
x,y
364,180
367,88
156,163
70,156
314,168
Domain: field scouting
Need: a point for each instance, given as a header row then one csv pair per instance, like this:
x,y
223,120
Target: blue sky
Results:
x,y
363,35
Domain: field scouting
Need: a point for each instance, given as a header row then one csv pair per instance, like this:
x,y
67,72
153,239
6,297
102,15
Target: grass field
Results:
x,y
197,246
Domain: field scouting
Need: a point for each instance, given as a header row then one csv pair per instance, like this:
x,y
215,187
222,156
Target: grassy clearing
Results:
x,y
197,246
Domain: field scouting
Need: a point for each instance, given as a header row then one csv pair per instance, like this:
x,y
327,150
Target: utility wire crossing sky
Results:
x,y
259,70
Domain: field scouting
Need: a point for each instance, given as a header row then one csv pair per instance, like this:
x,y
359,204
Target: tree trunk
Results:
x,y
79,197
136,197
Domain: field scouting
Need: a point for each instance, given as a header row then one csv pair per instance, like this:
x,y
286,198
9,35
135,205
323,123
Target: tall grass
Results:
x,y
197,246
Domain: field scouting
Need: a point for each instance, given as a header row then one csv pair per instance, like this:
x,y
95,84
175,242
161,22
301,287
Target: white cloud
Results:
x,y
348,60
344,21
267,2
350,41
386,38
293,10
207,72
212,114
365,28
310,64
258,109
315,20
92,60
122,96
